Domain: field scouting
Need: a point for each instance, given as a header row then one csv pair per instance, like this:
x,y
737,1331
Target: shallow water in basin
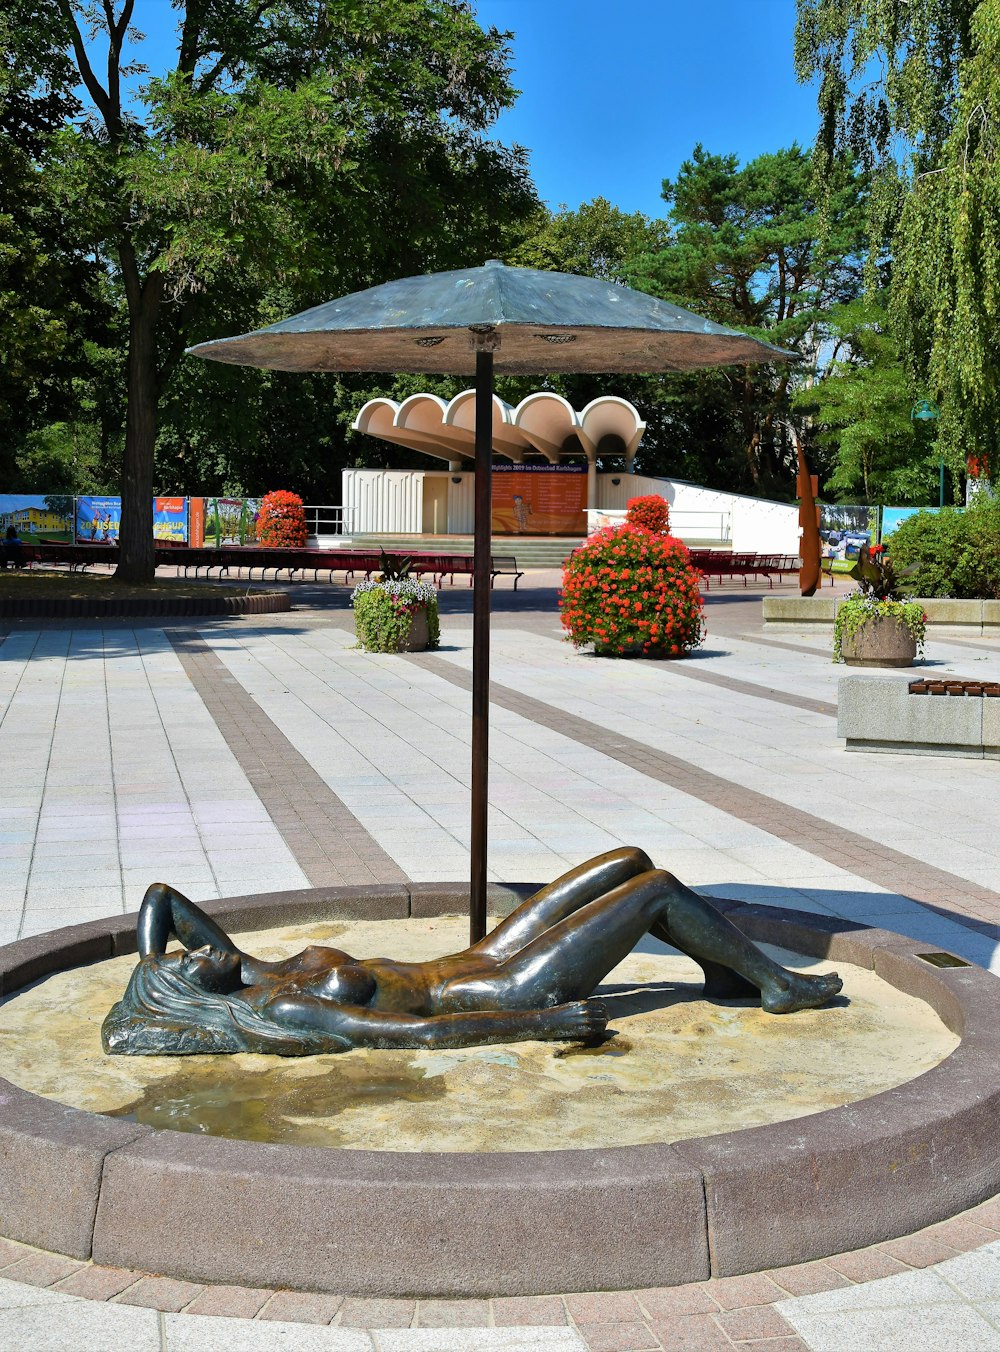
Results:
x,y
677,1065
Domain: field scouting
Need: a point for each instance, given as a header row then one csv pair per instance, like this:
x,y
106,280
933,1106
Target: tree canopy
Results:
x,y
297,149
912,87
749,248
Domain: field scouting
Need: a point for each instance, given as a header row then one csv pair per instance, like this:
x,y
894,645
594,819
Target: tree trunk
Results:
x,y
136,559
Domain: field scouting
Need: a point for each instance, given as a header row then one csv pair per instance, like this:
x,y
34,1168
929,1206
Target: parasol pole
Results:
x,y
485,342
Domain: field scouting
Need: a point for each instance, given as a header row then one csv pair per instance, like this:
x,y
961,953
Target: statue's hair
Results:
x,y
164,1013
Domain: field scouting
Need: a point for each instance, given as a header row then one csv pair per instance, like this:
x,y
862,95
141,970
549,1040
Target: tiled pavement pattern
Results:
x,y
201,761
865,857
328,842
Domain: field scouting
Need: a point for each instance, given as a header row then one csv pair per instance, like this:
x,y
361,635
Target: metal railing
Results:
x,y
701,525
326,520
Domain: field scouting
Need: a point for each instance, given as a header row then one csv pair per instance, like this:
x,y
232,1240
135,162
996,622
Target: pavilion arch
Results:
x,y
610,415
422,418
508,440
546,420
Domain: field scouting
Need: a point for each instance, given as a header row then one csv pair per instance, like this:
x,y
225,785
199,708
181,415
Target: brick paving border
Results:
x,y
689,669
857,854
330,845
723,1313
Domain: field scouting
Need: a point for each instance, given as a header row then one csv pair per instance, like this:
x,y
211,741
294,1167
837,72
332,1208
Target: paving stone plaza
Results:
x,y
267,753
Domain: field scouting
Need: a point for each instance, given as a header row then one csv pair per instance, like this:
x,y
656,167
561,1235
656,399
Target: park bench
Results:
x,y
719,564
501,565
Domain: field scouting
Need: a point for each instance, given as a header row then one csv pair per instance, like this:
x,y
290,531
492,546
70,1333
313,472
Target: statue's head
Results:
x,y
183,1003
210,969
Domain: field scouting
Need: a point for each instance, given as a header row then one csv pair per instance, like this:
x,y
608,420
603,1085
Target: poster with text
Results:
x,y
539,499
170,520
98,520
37,517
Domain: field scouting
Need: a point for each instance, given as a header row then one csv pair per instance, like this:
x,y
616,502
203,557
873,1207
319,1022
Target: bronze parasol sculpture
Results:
x,y
484,320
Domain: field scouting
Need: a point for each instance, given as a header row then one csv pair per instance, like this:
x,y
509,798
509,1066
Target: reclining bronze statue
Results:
x,y
529,978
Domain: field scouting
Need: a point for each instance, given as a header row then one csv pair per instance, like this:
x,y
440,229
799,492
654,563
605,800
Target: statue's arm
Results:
x,y
579,1022
165,913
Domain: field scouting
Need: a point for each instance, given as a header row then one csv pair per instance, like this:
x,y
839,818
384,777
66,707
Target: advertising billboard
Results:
x,y
892,516
98,520
539,499
170,520
226,521
844,529
37,516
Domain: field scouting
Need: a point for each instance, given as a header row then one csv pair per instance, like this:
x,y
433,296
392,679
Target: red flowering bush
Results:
x,y
281,523
630,591
650,512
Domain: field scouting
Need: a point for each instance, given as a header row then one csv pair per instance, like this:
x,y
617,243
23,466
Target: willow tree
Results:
x,y
912,88
323,145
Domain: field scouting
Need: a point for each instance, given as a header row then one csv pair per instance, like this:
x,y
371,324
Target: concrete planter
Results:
x,y
883,641
419,636
415,640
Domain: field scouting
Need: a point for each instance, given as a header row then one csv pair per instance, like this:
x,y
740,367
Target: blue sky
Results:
x,y
617,92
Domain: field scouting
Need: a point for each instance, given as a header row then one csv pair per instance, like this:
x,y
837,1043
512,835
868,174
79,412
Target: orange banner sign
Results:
x,y
539,499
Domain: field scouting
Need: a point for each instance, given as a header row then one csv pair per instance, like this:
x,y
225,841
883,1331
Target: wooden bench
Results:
x,y
502,565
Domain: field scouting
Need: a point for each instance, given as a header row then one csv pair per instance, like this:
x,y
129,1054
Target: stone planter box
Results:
x,y
879,714
807,612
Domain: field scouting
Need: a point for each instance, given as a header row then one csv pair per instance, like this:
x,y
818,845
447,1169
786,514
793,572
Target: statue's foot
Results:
x,y
789,991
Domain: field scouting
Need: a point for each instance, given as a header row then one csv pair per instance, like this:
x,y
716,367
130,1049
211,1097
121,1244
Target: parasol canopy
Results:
x,y
493,319
547,321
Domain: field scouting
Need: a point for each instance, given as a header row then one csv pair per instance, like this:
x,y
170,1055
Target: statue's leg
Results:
x,y
561,898
721,983
733,965
571,957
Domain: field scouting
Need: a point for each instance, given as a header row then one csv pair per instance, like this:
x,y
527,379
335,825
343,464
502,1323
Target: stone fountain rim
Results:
x,y
382,1223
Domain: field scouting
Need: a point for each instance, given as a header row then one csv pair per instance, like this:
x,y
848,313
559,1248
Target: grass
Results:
x,y
52,583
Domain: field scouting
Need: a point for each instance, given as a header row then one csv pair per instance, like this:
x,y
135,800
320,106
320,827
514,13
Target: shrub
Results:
x,y
650,512
629,591
955,553
282,521
383,613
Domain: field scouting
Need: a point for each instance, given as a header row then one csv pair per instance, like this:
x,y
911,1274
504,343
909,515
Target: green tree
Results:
x,y
749,248
50,301
913,87
323,144
860,406
595,240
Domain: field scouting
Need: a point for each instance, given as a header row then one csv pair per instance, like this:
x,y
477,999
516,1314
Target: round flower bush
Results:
x,y
651,512
282,521
629,591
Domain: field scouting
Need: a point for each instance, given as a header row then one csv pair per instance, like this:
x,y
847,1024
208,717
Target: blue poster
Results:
x,y
892,516
37,517
98,520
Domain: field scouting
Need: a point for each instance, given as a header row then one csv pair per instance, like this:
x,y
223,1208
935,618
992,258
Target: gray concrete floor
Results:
x,y
267,753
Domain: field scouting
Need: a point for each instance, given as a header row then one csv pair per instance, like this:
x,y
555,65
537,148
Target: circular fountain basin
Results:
x,y
678,1066
701,1140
